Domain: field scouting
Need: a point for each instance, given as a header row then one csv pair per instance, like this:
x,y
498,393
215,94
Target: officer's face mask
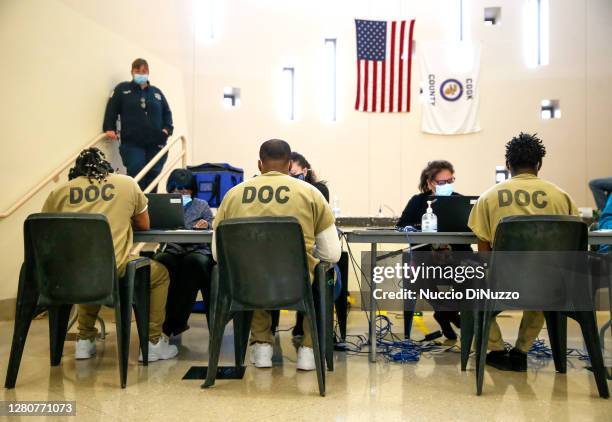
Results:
x,y
141,78
186,200
445,190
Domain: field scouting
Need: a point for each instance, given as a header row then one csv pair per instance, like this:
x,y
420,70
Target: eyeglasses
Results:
x,y
444,182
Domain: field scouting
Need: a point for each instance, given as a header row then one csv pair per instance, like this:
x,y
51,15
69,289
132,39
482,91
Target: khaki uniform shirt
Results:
x,y
274,194
119,198
524,194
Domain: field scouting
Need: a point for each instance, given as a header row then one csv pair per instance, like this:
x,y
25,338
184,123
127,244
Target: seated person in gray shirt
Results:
x,y
189,265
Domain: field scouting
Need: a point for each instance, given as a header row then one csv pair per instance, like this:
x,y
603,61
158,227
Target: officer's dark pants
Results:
x,y
188,273
135,157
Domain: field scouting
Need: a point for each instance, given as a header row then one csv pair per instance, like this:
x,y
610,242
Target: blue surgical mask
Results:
x,y
299,176
141,78
445,190
186,200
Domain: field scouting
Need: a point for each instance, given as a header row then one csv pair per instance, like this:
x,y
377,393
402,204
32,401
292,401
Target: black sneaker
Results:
x,y
499,359
518,360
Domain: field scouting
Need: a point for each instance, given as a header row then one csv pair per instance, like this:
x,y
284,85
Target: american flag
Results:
x,y
384,62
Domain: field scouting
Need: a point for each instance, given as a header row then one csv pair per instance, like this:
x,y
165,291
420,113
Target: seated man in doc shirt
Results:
x,y
302,201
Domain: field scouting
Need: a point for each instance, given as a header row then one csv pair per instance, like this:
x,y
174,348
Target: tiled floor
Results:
x,y
432,389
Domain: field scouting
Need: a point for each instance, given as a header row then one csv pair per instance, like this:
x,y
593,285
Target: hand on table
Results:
x,y
200,224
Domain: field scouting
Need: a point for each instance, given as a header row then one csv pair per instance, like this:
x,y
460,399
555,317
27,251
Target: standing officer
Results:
x,y
524,154
146,122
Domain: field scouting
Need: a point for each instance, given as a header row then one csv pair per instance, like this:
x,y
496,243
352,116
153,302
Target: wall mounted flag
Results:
x,y
450,87
384,62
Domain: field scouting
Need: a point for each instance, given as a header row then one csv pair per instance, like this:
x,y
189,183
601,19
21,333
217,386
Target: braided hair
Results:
x,y
525,151
91,163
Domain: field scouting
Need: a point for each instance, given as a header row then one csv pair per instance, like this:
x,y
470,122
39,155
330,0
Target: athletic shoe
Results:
x,y
161,351
85,349
261,355
305,359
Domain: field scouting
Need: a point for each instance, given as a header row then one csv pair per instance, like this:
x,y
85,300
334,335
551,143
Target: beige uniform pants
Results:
x,y
531,325
261,329
159,293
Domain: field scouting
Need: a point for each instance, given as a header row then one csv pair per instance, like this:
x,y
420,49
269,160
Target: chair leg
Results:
x,y
58,327
142,305
323,301
320,364
556,325
467,336
219,321
242,329
482,339
123,315
588,325
27,298
329,324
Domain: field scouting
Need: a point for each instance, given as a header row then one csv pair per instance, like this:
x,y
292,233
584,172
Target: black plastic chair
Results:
x,y
539,233
261,266
323,296
69,259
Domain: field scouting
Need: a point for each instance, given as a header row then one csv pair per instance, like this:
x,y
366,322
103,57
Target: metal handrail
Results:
x,y
56,173
51,177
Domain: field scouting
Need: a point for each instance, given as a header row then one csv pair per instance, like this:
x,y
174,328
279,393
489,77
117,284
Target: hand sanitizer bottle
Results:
x,y
429,221
336,207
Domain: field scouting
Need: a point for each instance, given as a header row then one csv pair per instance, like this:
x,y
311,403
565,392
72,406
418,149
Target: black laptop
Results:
x,y
452,212
166,211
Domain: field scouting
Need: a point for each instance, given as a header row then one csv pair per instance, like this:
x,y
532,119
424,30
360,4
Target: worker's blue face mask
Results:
x,y
299,176
445,190
141,78
186,200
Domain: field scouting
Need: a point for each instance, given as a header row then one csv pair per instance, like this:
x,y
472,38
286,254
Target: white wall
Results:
x,y
62,57
371,159
57,71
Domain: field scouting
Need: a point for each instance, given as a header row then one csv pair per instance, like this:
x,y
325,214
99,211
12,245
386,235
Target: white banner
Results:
x,y
450,87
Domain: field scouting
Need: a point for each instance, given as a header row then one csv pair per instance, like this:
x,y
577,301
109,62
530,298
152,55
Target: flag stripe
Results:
x,y
358,100
392,75
366,84
409,62
383,87
374,83
400,91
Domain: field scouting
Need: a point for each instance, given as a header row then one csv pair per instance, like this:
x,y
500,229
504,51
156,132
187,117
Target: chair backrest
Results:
x,y
71,258
263,261
539,253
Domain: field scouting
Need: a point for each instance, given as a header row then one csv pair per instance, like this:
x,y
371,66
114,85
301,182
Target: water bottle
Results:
x,y
429,221
336,207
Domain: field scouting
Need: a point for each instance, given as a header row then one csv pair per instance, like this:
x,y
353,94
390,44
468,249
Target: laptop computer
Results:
x,y
452,212
166,211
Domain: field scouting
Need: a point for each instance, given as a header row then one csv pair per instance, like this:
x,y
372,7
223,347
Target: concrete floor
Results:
x,y
432,389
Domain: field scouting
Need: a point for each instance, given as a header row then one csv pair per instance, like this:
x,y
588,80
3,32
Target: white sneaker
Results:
x,y
261,355
305,359
160,351
85,349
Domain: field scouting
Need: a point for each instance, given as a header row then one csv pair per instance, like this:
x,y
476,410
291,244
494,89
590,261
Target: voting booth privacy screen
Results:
x,y
213,180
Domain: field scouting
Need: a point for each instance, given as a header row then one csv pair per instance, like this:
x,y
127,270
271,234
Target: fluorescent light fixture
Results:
x,y
330,79
536,32
465,30
204,26
288,87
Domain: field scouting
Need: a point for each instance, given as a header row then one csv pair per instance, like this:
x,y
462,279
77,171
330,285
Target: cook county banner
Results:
x,y
450,87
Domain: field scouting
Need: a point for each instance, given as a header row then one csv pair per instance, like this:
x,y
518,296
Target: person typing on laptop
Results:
x,y
189,265
437,179
294,198
92,187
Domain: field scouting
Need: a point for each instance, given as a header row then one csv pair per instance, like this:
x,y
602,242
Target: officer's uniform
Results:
x,y
285,196
524,194
119,198
144,113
